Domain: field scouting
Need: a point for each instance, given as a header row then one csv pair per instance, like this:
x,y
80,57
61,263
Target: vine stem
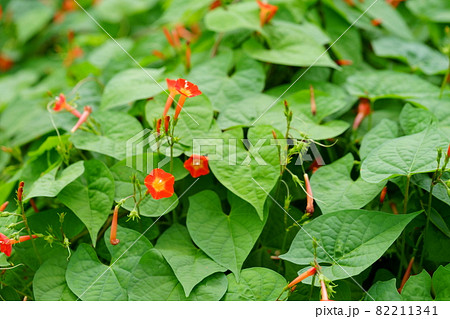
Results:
x,y
403,238
25,221
430,199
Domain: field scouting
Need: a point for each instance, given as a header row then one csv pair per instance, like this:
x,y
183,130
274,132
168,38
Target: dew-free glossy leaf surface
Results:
x,y
153,279
334,189
350,240
227,239
190,264
403,156
50,281
255,284
91,196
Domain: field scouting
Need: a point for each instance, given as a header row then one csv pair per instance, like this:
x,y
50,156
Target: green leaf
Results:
x,y
384,131
255,284
242,15
416,54
403,156
89,279
414,120
431,10
227,239
49,282
350,240
334,189
250,174
288,44
131,85
114,11
153,279
390,84
115,130
189,264
91,196
383,291
439,190
49,185
439,222
224,89
30,17
441,283
418,288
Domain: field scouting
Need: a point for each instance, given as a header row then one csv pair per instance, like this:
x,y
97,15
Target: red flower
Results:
x,y
197,165
166,123
448,151
363,110
6,243
266,12
186,89
172,93
61,104
159,183
158,126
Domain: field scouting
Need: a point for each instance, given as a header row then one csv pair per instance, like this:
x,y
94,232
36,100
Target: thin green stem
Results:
x,y
403,236
430,199
25,221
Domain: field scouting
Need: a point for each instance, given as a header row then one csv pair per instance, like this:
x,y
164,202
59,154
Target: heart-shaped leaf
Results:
x,y
288,45
190,264
227,239
131,85
417,288
255,284
335,190
91,196
390,84
89,279
384,131
414,120
49,185
416,54
224,89
153,279
441,283
115,130
349,240
383,291
250,174
403,156
49,283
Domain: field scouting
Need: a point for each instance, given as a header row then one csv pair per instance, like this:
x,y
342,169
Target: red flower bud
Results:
x,y
376,22
406,275
112,238
83,118
323,291
383,194
313,100
20,191
363,110
166,123
309,196
343,62
33,205
3,207
158,126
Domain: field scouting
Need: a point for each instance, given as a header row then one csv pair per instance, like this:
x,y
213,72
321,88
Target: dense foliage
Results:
x,y
224,150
